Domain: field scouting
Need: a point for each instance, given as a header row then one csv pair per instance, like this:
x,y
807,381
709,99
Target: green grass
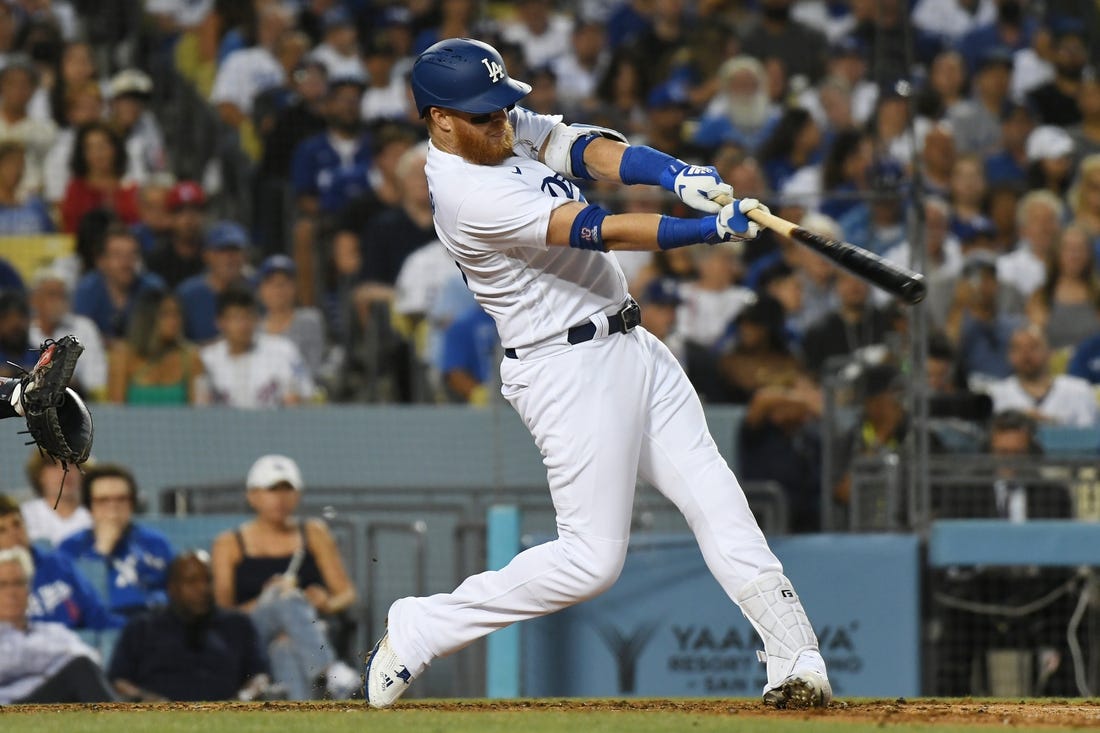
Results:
x,y
357,720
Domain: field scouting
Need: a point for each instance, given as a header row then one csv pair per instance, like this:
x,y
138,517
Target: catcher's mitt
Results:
x,y
57,419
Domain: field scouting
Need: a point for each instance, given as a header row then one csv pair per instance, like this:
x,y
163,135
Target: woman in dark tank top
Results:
x,y
285,572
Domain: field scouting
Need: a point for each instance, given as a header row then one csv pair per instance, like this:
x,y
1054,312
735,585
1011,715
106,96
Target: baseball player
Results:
x,y
604,399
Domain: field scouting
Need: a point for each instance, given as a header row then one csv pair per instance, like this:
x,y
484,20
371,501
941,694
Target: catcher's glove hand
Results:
x,y
57,419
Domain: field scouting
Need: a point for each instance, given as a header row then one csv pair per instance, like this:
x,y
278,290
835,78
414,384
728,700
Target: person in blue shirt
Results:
x,y
1085,362
19,215
135,558
107,293
331,169
225,255
469,354
59,592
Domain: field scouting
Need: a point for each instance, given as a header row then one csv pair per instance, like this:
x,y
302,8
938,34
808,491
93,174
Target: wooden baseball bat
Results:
x,y
901,282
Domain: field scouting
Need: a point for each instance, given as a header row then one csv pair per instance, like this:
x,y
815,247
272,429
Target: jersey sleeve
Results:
x,y
498,216
531,130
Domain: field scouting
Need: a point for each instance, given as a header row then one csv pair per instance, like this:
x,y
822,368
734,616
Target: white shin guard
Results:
x,y
772,607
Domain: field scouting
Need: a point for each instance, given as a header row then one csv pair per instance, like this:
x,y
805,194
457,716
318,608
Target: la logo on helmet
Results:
x,y
496,71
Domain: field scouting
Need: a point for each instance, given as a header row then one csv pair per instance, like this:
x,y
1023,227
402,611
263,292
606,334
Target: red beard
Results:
x,y
476,148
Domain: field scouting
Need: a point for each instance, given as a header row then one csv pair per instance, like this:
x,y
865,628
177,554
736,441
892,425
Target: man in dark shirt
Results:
x,y
853,324
190,650
180,257
1055,103
801,49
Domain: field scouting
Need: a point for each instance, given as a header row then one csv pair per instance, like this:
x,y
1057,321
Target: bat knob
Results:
x,y
914,290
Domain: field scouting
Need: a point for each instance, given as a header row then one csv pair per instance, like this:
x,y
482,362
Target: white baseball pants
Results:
x,y
603,413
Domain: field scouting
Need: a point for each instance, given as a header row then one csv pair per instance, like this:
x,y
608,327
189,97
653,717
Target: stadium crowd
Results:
x,y
291,259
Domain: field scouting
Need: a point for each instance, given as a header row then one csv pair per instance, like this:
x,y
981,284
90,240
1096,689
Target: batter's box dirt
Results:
x,y
1023,713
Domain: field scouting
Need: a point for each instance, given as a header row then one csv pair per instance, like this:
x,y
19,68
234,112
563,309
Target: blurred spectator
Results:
x,y
18,80
83,106
330,169
816,274
1059,399
470,346
134,557
845,172
1055,103
1007,32
1017,493
98,166
129,92
578,70
285,572
59,592
52,317
942,251
781,283
75,68
1039,216
801,49
1008,164
881,427
1002,201
339,48
793,143
43,662
977,121
386,96
456,19
876,218
846,86
741,112
19,214
190,649
1086,134
543,35
282,316
938,157
301,118
713,299
852,325
247,72
1084,198
394,234
155,364
106,294
1064,307
58,511
667,110
952,19
968,192
178,256
946,87
156,222
225,255
761,355
779,442
251,369
1050,159
977,322
881,26
660,301
621,92
948,396
16,351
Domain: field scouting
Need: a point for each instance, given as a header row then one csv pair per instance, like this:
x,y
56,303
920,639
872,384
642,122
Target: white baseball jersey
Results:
x,y
262,377
493,221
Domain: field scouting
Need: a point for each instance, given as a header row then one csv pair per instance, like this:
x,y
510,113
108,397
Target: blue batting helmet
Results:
x,y
464,74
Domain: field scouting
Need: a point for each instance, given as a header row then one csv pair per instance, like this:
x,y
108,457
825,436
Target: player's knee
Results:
x,y
597,567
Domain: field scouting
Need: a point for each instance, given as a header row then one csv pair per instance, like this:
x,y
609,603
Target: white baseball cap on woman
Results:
x,y
273,469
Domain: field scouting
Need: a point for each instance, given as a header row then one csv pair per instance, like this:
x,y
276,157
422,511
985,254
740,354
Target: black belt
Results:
x,y
622,322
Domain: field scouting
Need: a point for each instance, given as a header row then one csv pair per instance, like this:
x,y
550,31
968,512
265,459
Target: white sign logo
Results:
x,y
496,71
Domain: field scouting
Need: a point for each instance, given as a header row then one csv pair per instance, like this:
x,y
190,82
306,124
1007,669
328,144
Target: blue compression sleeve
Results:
x,y
641,164
673,232
576,157
587,229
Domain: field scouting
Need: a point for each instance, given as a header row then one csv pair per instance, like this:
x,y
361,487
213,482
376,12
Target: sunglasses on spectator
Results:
x,y
487,118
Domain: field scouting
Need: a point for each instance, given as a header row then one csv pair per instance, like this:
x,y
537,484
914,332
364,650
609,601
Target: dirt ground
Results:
x,y
1054,713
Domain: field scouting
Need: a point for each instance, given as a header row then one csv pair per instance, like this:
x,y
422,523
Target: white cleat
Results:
x,y
385,678
806,689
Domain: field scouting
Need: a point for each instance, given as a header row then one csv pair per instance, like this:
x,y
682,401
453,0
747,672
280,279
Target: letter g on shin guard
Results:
x,y
772,607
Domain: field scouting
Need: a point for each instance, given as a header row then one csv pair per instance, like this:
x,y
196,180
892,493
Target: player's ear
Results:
x,y
439,118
